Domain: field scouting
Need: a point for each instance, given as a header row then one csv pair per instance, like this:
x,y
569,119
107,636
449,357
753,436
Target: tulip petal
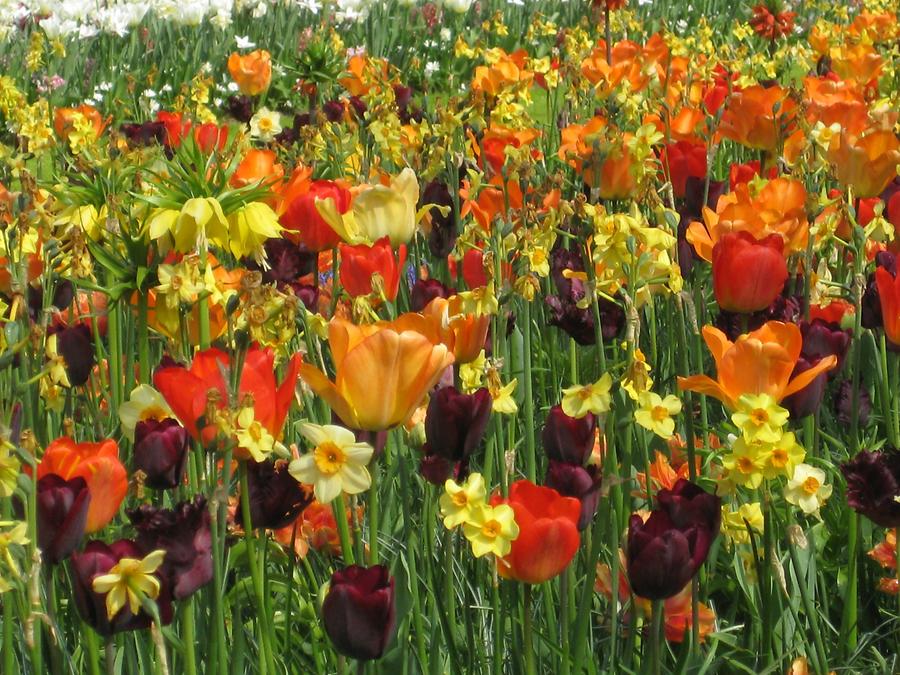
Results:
x,y
807,376
326,389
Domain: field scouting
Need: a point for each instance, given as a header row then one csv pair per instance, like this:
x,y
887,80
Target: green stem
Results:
x,y
848,634
810,609
373,514
528,633
143,339
530,462
190,656
339,506
656,637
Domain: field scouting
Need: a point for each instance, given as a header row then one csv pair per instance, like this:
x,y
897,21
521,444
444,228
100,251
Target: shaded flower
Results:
x,y
62,509
873,486
359,613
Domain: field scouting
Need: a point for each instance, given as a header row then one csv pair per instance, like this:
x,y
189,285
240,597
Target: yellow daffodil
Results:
x,y
336,464
579,400
9,467
746,462
265,125
129,581
471,375
17,535
253,436
760,418
491,529
504,403
655,413
458,501
144,403
807,489
784,456
56,363
636,379
735,523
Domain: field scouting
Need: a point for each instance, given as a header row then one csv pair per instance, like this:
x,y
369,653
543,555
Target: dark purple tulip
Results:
x,y
359,107
821,339
240,107
276,498
161,451
358,613
578,323
455,422
843,404
568,439
96,559
666,551
62,507
807,400
436,469
873,485
444,230
333,111
287,262
74,345
148,133
402,95
426,290
574,480
63,295
183,533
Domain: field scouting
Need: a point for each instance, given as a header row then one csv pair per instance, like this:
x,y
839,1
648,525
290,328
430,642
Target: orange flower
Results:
x,y
748,273
508,70
383,371
889,297
255,167
756,116
771,25
548,533
663,474
363,72
298,213
98,464
497,138
464,334
613,158
491,201
64,120
760,362
360,264
251,72
859,63
211,137
867,163
177,127
778,208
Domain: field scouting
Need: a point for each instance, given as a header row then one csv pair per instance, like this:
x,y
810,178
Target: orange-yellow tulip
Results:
x,y
251,72
382,371
866,163
760,362
463,334
757,117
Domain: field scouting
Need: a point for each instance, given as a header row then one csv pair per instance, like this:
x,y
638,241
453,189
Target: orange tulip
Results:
x,y
255,167
760,362
464,334
866,163
251,72
614,161
757,117
748,273
548,533
301,219
98,464
509,70
497,138
64,120
889,297
177,127
383,371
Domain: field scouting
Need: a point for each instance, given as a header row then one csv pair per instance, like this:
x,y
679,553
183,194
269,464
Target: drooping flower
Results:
x,y
337,463
359,613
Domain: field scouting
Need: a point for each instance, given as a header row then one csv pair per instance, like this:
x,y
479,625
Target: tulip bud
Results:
x,y
569,439
160,451
455,422
873,485
358,611
74,345
426,290
582,483
276,498
62,508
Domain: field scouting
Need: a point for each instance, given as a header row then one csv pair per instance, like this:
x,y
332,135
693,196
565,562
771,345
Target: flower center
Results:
x,y
491,529
659,413
460,499
779,457
745,465
811,486
759,416
329,458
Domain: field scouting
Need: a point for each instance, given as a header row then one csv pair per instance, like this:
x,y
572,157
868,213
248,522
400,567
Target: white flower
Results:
x,y
337,463
265,124
458,6
807,489
244,42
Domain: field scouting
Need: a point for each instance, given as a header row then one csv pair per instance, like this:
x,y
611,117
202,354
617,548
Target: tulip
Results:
x,y
405,357
866,163
755,117
240,108
251,72
211,137
426,290
187,390
760,362
888,286
64,120
665,551
358,612
548,533
748,273
257,166
301,218
873,486
360,263
569,439
160,452
443,234
582,483
455,423
145,134
177,127
464,333
871,302
682,160
276,498
842,404
183,533
62,508
97,559
74,345
98,464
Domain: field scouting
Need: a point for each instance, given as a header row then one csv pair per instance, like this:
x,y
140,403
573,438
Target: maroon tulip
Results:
x,y
426,290
62,507
276,498
820,339
97,559
569,439
183,533
359,613
666,551
873,486
161,451
74,345
574,480
455,422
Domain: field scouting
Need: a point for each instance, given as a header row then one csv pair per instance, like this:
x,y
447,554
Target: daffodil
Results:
x,y
737,524
491,529
252,436
760,418
746,462
504,403
807,489
655,413
458,501
9,467
129,581
17,535
579,400
144,403
336,464
57,369
265,125
784,456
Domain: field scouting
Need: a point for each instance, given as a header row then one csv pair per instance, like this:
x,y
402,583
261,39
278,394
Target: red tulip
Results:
x,y
359,263
548,533
177,127
748,273
682,160
211,137
302,221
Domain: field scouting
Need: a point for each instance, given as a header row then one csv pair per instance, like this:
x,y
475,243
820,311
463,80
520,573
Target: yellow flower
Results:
x,y
471,375
129,581
200,219
656,413
144,403
458,501
807,489
580,400
179,283
336,464
9,467
56,363
746,463
504,403
759,418
637,378
253,436
735,524
249,227
784,456
491,529
17,536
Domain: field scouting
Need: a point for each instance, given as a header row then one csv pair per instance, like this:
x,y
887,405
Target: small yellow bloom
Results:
x,y
655,413
737,524
253,436
807,489
129,581
491,529
595,398
458,501
746,462
336,464
784,457
56,363
759,418
144,403
504,403
471,375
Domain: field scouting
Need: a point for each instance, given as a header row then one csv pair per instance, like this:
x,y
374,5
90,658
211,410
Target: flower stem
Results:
x,y
340,515
655,662
528,633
